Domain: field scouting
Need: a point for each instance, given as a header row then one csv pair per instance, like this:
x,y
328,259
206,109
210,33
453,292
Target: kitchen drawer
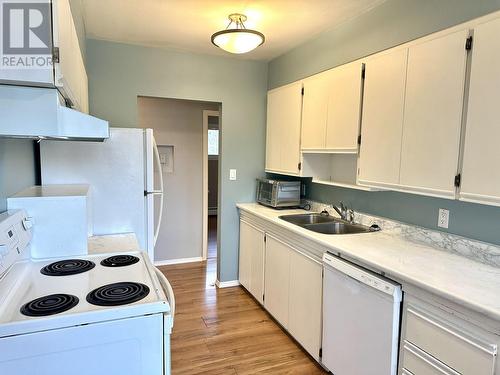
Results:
x,y
465,352
417,362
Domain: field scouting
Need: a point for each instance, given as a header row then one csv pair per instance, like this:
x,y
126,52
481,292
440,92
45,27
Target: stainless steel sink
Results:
x,y
307,219
326,224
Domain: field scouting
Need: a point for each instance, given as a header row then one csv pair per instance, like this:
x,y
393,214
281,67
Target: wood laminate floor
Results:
x,y
224,331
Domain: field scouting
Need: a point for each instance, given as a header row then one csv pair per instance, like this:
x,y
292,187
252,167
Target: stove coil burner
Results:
x,y
119,261
67,267
49,305
117,294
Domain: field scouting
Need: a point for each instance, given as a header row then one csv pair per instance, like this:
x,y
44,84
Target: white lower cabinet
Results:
x,y
305,295
293,292
277,279
251,262
288,283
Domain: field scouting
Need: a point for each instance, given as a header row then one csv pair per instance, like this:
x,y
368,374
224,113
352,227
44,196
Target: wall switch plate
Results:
x,y
443,218
232,174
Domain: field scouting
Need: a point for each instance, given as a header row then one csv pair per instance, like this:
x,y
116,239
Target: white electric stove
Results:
x,y
96,314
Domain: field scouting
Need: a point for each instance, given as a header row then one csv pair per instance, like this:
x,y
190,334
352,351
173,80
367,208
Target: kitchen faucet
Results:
x,y
345,213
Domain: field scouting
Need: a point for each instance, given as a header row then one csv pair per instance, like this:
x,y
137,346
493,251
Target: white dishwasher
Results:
x,y
360,320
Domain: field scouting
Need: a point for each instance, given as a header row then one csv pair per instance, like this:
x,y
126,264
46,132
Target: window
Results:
x,y
213,142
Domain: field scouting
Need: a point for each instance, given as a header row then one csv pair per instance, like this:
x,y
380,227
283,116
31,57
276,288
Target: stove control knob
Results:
x,y
27,223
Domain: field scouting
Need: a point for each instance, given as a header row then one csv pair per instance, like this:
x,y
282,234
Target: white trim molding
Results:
x,y
226,284
177,261
205,210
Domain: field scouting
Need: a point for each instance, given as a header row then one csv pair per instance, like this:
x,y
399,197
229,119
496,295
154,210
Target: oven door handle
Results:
x,y
167,288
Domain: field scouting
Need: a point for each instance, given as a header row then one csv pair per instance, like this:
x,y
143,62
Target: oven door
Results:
x,y
266,193
168,319
131,346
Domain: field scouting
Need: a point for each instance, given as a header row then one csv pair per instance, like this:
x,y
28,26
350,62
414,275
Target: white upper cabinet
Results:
x,y
70,74
68,70
412,116
331,110
344,106
480,172
433,114
382,119
284,110
315,111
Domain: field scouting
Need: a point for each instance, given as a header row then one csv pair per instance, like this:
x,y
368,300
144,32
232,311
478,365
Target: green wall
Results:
x,y
392,23
118,73
17,167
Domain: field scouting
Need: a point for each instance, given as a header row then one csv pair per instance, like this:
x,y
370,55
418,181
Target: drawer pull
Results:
x,y
429,360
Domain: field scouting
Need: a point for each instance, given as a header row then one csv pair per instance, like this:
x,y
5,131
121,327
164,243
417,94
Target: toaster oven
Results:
x,y
278,194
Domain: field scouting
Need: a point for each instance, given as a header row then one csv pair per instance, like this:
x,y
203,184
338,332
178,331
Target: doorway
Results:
x,y
179,130
211,132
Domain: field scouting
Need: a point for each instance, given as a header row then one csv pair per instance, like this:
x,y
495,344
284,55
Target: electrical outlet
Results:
x,y
232,174
443,218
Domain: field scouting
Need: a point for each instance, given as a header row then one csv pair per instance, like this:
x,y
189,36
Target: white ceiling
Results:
x,y
188,24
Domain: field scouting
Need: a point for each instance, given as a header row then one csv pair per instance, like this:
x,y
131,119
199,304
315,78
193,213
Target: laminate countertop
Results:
x,y
471,284
113,243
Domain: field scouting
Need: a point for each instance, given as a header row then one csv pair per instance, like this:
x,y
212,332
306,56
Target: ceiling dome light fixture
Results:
x,y
237,39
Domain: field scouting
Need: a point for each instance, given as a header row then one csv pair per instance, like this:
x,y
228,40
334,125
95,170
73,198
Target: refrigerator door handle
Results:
x,y
154,192
158,192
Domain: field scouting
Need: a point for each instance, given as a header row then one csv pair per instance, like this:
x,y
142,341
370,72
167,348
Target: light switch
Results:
x,y
232,174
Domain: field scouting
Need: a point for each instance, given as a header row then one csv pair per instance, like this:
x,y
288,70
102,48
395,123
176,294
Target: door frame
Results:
x,y
206,114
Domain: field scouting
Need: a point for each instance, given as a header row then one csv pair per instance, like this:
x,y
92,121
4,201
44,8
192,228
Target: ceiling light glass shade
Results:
x,y
238,40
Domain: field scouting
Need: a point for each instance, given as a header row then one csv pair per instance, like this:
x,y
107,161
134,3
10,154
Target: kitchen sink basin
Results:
x,y
326,224
308,219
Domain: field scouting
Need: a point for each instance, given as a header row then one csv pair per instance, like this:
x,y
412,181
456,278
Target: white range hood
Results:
x,y
37,113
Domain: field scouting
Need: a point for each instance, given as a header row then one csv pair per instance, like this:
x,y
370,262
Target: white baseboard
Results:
x,y
226,284
177,261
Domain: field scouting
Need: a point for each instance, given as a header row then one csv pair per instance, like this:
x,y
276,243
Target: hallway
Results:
x,y
212,237
224,331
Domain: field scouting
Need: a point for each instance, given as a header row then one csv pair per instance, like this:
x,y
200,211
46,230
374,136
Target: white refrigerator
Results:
x,y
124,174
